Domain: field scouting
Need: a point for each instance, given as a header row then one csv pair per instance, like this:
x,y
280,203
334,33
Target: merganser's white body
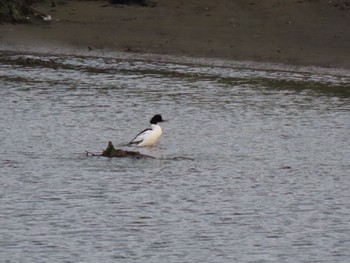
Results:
x,y
150,136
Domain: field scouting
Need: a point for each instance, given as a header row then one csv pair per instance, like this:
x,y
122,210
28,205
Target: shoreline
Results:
x,y
239,32
181,60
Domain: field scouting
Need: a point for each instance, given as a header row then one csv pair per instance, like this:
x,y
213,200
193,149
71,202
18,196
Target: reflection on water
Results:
x,y
269,180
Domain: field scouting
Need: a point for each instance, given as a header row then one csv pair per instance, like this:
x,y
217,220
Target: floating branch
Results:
x,y
110,152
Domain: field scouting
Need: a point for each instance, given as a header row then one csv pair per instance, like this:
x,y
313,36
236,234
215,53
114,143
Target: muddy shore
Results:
x,y
295,32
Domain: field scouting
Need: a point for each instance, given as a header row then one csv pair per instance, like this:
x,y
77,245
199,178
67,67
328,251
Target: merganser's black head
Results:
x,y
156,118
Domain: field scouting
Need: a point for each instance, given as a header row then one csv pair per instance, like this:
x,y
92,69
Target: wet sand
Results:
x,y
295,32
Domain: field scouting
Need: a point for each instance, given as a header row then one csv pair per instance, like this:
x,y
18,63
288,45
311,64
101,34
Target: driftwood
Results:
x,y
110,152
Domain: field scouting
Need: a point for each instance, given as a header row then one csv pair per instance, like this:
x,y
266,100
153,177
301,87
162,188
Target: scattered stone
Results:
x,y
147,3
12,11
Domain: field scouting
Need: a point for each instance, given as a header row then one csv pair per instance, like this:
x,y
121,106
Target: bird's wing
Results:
x,y
141,136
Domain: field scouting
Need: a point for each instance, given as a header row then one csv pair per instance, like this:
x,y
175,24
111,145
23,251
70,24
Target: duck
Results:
x,y
149,136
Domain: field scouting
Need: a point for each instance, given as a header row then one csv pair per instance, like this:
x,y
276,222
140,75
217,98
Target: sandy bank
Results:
x,y
297,32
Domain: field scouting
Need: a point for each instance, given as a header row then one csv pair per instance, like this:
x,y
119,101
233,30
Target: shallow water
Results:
x,y
269,181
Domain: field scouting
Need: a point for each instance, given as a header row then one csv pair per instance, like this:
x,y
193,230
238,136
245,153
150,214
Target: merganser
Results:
x,y
149,136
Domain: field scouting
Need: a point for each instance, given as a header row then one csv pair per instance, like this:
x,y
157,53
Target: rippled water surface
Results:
x,y
269,180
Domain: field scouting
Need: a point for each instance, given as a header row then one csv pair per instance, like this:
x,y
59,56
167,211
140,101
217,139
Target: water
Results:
x,y
269,180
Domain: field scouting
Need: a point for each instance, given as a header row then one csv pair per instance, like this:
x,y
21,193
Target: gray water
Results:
x,y
265,173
